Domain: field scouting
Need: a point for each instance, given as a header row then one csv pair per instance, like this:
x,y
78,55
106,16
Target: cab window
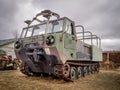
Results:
x,y
39,29
29,32
69,28
23,33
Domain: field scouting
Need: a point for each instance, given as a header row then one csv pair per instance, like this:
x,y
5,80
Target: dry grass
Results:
x,y
14,80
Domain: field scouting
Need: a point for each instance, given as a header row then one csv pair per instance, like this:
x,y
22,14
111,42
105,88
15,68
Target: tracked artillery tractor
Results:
x,y
57,47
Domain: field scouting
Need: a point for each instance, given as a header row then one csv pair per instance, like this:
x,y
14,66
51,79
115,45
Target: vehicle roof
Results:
x,y
50,21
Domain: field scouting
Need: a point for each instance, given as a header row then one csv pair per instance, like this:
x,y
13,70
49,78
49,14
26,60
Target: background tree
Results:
x,y
15,34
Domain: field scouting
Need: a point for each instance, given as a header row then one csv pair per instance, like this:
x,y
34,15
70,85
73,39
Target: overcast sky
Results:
x,y
101,17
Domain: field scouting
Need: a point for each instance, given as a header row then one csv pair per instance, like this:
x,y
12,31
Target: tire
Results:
x,y
73,74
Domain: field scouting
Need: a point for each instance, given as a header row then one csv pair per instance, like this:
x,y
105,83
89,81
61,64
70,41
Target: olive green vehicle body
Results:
x,y
44,56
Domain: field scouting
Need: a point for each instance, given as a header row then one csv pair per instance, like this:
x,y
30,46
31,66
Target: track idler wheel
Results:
x,y
66,70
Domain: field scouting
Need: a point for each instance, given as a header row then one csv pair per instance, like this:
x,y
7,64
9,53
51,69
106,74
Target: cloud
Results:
x,y
26,12
8,10
105,19
109,44
101,17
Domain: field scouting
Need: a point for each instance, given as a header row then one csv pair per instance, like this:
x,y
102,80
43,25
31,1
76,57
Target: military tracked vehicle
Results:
x,y
56,46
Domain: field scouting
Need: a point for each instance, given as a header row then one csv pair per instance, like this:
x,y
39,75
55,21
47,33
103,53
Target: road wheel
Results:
x,y
93,69
85,71
80,72
96,68
73,75
89,69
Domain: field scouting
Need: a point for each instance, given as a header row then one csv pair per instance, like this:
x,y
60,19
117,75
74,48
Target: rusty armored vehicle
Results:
x,y
57,47
6,62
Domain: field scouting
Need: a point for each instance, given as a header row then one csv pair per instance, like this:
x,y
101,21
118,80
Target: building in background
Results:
x,y
8,46
111,59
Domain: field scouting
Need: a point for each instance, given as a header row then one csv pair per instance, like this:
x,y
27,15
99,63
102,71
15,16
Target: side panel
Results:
x,y
69,46
96,54
69,42
83,51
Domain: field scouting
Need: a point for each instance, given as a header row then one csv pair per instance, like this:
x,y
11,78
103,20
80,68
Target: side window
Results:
x,y
38,30
69,28
23,33
29,32
58,26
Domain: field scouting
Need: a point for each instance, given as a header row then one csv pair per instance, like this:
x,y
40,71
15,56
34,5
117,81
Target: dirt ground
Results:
x,y
15,80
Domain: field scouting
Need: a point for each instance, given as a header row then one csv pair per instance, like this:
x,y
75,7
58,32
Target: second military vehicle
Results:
x,y
6,61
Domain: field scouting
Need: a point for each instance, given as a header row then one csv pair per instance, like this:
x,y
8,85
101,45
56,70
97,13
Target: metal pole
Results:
x,y
82,30
46,30
90,36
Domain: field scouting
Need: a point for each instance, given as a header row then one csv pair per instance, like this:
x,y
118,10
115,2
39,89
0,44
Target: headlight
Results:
x,y
17,44
50,40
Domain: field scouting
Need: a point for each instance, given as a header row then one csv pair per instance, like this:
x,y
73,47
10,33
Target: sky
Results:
x,y
101,17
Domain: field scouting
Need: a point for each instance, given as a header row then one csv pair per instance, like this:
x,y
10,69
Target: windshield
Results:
x,y
54,26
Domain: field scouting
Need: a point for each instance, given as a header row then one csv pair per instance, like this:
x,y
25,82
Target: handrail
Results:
x,y
91,37
85,36
83,30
